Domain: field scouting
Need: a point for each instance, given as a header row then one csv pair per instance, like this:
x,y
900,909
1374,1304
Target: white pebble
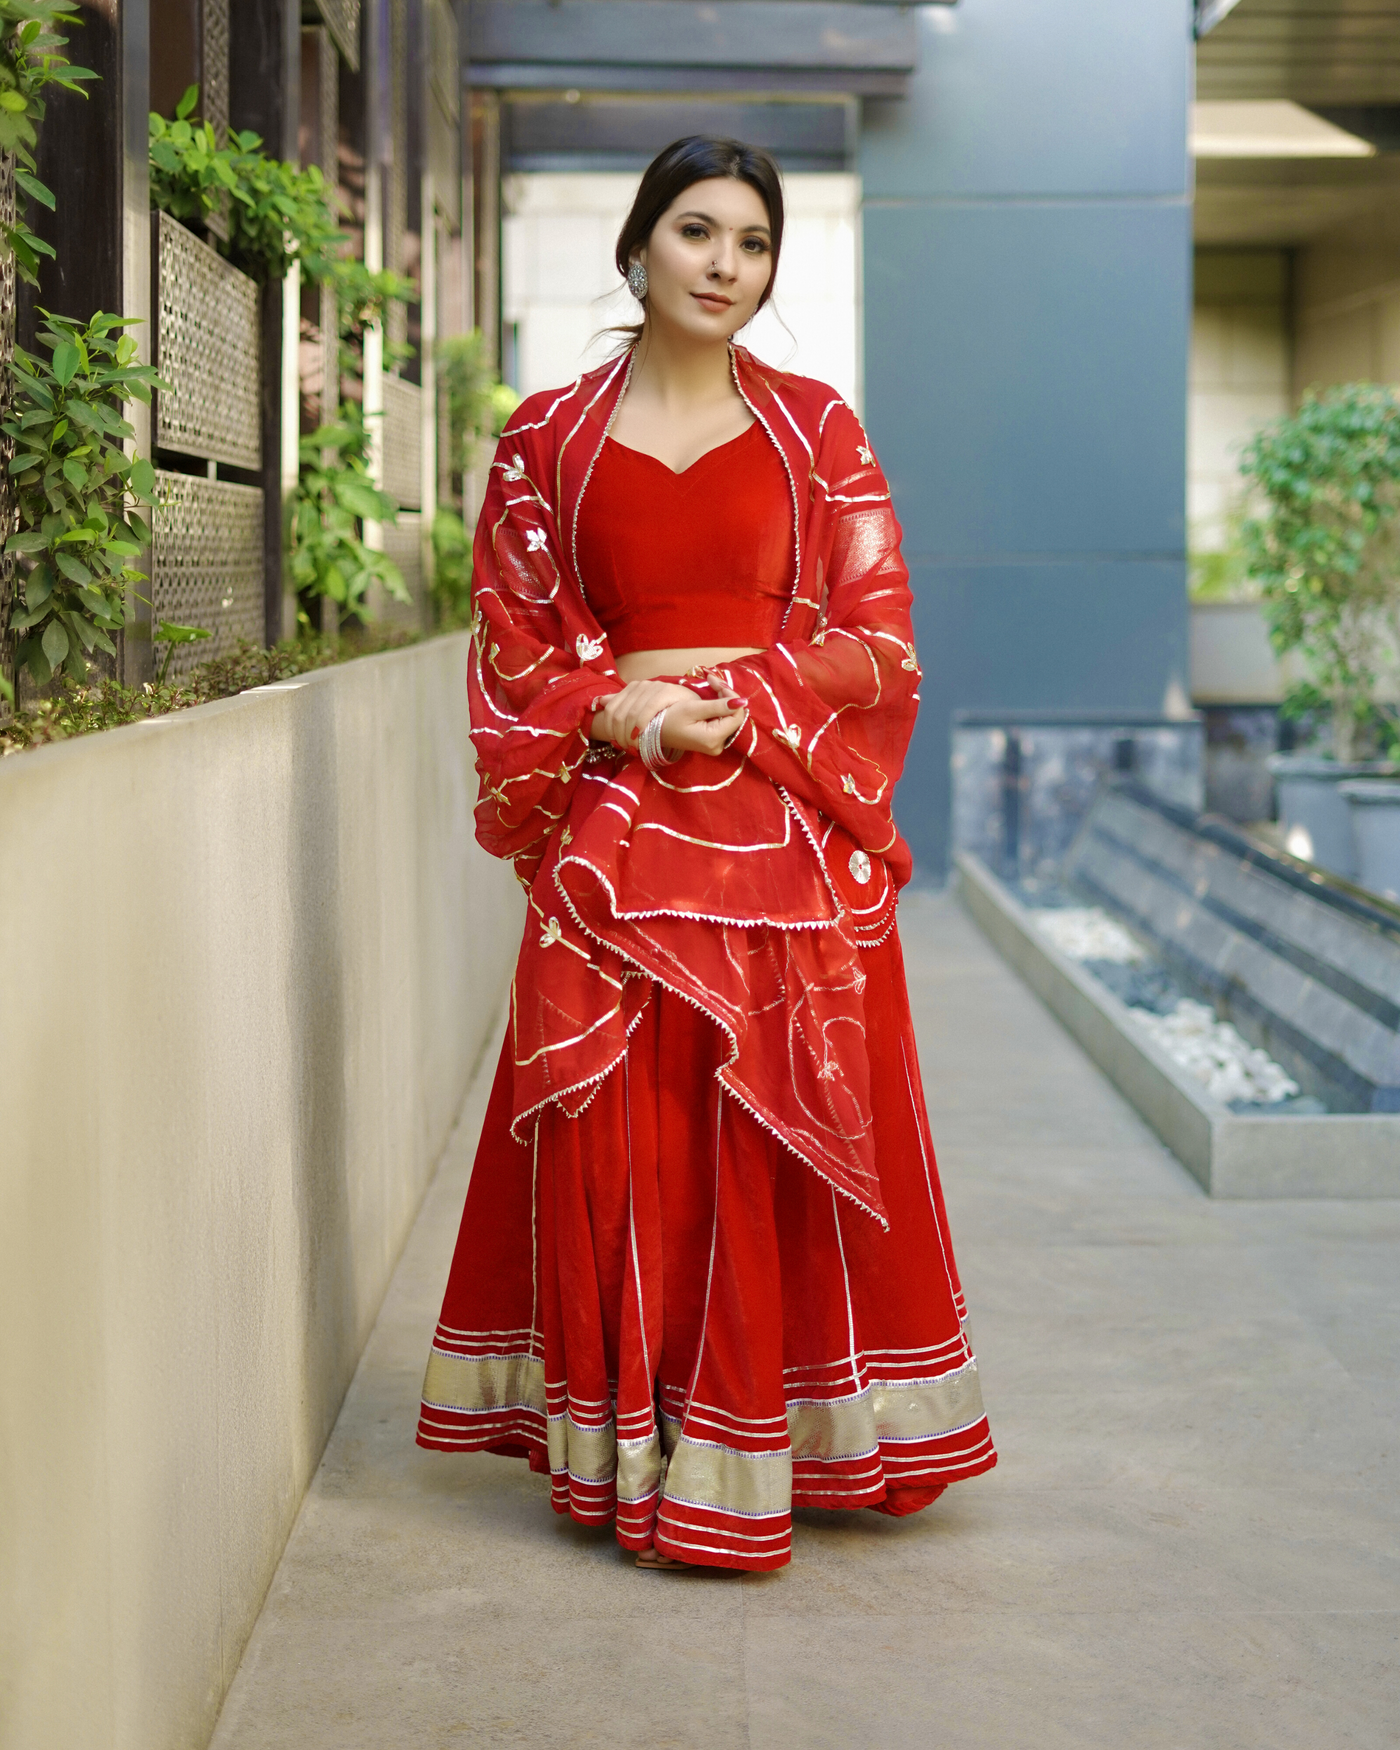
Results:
x,y
1088,933
1215,1054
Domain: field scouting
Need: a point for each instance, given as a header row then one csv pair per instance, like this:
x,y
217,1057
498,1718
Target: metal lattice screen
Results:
x,y
343,21
403,543
214,88
403,442
207,341
328,71
396,171
214,70
207,563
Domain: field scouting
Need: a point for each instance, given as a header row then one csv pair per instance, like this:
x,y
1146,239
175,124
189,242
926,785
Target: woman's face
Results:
x,y
709,259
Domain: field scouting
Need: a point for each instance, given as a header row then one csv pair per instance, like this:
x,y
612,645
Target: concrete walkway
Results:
x,y
1192,1540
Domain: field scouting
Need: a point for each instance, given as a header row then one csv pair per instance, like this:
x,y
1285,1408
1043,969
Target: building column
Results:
x,y
1027,230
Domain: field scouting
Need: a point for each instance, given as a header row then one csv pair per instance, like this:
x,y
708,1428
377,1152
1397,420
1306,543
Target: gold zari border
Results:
x,y
734,1482
477,1384
853,1427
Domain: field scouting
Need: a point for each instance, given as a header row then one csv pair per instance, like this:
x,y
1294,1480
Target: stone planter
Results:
x,y
1375,824
1312,812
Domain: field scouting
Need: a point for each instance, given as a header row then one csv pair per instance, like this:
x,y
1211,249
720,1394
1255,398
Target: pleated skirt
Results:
x,y
690,1330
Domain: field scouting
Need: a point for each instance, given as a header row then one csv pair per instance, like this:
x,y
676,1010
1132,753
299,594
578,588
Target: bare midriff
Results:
x,y
651,665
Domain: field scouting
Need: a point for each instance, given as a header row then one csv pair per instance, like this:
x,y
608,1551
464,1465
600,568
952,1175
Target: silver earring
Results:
x,y
637,280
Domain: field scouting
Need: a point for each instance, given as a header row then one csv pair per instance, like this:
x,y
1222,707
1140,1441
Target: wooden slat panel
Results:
x,y
1319,51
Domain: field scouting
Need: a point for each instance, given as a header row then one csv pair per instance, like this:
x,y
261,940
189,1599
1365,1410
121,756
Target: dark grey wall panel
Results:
x,y
628,133
1027,299
736,33
1027,97
1023,374
1097,635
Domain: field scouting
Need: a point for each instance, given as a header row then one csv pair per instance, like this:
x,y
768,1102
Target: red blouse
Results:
x,y
675,560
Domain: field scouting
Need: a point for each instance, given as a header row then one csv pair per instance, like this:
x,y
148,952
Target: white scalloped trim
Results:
x,y
763,1123
698,917
886,933
591,1081
841,907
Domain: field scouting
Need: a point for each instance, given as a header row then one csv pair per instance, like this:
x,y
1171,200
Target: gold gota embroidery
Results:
x,y
735,1482
565,1044
587,1453
917,1410
638,1467
905,1411
691,788
720,844
491,1382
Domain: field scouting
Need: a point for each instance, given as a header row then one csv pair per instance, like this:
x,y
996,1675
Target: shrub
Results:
x,y
83,709
478,403
31,59
72,482
452,569
1326,552
278,213
334,496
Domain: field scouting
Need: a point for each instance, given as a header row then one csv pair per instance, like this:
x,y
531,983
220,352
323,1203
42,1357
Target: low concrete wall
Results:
x,y
251,954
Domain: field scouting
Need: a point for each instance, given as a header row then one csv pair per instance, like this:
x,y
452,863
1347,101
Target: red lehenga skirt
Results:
x,y
689,1329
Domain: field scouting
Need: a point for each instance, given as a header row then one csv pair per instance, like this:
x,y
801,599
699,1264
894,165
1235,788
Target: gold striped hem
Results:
x,y
733,1482
590,1454
638,1468
854,1427
495,1382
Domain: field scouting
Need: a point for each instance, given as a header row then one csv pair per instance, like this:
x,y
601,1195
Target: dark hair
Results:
x,y
701,158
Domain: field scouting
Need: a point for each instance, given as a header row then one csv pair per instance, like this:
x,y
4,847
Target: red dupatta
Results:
x,y
744,883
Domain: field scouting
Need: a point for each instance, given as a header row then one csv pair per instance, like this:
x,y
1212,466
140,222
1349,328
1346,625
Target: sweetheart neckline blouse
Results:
x,y
680,473
703,557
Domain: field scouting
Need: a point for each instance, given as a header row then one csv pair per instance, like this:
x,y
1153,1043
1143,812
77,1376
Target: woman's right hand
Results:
x,y
693,725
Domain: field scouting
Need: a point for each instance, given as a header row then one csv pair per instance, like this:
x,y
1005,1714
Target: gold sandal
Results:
x,y
652,1558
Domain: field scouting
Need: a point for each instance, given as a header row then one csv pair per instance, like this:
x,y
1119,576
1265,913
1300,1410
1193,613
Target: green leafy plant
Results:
x,y
478,403
278,213
31,59
334,496
1221,574
362,300
1326,552
86,708
73,485
169,634
190,172
452,569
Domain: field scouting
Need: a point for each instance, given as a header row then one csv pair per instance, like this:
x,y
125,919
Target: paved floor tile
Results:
x,y
1192,1541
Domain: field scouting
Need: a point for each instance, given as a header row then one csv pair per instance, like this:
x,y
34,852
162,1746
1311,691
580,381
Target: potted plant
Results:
x,y
1374,806
1325,550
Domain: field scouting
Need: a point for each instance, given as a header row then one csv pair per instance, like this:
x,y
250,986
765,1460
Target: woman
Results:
x,y
703,1272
